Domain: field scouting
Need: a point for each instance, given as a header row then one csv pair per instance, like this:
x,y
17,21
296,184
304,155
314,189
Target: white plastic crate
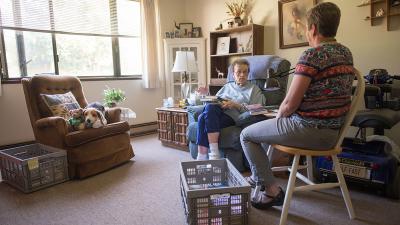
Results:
x,y
33,167
214,193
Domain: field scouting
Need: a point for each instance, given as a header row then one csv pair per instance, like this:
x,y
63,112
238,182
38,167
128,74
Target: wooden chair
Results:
x,y
297,152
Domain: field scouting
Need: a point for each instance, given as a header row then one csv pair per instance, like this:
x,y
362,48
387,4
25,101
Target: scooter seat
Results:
x,y
376,118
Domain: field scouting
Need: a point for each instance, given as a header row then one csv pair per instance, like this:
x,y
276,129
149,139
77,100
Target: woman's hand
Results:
x,y
228,104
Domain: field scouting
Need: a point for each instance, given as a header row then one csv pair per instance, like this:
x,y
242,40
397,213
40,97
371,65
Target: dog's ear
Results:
x,y
102,109
100,116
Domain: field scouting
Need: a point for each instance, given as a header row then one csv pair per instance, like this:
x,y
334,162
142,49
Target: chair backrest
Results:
x,y
358,96
49,84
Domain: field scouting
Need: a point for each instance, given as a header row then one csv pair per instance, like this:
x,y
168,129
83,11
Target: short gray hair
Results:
x,y
241,62
325,17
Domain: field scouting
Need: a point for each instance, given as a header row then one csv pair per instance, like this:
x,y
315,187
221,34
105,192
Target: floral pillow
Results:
x,y
60,104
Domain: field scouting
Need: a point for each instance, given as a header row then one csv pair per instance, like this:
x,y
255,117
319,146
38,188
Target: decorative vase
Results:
x,y
238,21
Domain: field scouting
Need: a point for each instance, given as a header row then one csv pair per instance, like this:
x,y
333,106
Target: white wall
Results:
x,y
372,47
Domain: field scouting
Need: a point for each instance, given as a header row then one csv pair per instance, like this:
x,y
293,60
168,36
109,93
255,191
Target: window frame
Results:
x,y
5,79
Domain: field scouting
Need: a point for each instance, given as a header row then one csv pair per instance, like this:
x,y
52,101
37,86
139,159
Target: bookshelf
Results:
x,y
245,40
391,13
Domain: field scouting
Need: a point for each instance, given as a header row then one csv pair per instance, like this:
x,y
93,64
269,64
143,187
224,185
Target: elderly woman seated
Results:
x,y
234,98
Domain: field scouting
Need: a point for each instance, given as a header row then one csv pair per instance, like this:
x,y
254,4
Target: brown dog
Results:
x,y
94,118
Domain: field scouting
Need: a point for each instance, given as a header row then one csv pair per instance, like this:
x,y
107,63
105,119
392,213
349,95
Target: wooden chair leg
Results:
x,y
343,187
310,174
269,153
289,189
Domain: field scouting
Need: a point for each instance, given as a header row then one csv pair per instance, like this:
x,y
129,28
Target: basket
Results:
x,y
33,167
214,192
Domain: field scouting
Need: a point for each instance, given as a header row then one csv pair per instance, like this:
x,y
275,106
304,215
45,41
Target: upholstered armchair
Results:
x,y
229,140
89,151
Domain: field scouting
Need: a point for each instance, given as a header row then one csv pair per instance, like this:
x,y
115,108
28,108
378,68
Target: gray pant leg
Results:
x,y
282,131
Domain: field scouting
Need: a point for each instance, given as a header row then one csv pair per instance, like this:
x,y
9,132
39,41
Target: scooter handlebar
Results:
x,y
396,77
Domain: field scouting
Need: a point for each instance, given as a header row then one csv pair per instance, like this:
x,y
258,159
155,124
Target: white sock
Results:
x,y
214,151
201,156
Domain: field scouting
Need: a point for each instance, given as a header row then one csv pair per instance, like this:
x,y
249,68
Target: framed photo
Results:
x,y
185,29
223,45
292,22
167,35
196,32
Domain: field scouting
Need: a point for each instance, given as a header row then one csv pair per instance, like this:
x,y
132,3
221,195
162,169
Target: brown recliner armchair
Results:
x,y
89,151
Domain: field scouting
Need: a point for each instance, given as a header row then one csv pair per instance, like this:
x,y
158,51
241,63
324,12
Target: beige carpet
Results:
x,y
146,192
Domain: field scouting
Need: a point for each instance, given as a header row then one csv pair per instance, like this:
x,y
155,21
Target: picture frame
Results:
x,y
185,29
223,45
292,22
167,35
196,32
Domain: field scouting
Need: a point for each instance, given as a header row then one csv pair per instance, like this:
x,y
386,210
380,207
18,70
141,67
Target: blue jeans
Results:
x,y
211,120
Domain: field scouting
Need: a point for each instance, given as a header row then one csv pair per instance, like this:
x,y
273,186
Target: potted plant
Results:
x,y
236,9
112,96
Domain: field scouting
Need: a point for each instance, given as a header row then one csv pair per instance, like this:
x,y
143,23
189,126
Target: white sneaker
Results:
x,y
213,156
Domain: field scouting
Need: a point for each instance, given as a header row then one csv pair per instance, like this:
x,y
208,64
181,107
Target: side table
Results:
x,y
128,115
172,124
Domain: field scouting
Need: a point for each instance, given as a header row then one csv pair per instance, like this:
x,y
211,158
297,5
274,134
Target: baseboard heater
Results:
x,y
143,129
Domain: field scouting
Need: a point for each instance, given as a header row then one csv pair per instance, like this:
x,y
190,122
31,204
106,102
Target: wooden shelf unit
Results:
x,y
393,13
250,37
389,12
371,3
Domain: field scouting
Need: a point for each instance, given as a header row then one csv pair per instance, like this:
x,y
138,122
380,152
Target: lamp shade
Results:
x,y
185,62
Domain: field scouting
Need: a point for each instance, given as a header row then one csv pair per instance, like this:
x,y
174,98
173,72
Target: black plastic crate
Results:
x,y
33,167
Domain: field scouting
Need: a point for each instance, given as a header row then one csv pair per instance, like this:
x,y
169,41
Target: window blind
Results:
x,y
92,17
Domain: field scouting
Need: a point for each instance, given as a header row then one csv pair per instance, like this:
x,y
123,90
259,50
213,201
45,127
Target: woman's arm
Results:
x,y
294,96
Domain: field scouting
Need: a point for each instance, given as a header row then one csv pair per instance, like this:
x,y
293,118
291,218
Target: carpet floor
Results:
x,y
145,191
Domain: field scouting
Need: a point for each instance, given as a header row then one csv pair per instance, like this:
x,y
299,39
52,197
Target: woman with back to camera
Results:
x,y
314,108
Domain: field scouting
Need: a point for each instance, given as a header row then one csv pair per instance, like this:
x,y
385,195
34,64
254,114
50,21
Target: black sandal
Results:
x,y
253,183
275,201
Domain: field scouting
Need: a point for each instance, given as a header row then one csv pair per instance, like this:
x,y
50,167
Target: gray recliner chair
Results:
x,y
229,140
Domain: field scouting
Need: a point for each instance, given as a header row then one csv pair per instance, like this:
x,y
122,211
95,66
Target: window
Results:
x,y
75,37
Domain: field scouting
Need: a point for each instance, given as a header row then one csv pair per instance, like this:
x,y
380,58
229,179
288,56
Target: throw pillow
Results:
x,y
60,104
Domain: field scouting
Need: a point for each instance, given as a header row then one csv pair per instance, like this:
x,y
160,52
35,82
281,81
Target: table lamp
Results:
x,y
185,62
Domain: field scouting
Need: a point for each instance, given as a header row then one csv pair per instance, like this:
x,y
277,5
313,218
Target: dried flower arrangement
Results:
x,y
236,8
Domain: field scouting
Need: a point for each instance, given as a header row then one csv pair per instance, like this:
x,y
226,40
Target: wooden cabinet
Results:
x,y
244,41
391,12
172,124
174,80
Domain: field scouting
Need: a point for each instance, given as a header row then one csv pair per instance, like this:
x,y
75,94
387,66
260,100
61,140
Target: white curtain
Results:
x,y
151,44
